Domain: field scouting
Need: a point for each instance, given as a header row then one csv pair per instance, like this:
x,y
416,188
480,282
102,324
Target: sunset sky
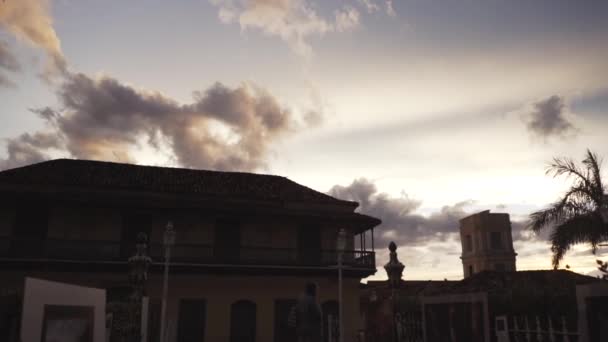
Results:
x,y
424,111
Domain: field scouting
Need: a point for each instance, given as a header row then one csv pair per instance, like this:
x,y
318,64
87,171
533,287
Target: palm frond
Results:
x,y
567,167
586,228
571,204
593,164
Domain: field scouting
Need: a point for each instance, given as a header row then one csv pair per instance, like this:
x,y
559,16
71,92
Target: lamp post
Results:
x,y
168,242
138,264
341,246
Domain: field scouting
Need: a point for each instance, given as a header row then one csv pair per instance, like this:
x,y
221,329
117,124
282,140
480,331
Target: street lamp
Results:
x,y
168,242
138,265
341,246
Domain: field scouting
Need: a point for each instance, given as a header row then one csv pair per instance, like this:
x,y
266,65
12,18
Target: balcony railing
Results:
x,y
95,250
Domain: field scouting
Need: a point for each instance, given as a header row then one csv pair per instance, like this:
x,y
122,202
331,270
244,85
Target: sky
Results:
x,y
424,111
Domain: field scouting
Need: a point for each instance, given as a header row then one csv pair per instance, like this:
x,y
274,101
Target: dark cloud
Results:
x,y
547,119
28,148
520,231
424,240
223,128
46,113
400,222
8,62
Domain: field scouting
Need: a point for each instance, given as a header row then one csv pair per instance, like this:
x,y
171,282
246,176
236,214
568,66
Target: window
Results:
x,y
309,245
242,321
133,224
496,240
30,231
227,244
331,320
470,270
282,331
154,308
468,243
500,324
191,320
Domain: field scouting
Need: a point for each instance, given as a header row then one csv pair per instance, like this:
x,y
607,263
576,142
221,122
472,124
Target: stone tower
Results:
x,y
487,243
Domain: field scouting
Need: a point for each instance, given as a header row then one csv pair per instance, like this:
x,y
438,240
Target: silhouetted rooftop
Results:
x,y
116,176
494,281
413,287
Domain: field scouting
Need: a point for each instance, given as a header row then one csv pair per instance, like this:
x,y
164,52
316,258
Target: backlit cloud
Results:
x,y
294,21
223,128
28,149
401,221
30,21
424,240
8,62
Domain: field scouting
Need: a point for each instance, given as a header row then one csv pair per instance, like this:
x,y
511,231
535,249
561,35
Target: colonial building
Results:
x,y
493,303
246,244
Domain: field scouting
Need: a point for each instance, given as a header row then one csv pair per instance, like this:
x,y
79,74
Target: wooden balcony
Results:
x,y
94,251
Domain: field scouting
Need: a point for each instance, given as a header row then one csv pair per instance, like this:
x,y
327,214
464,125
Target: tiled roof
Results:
x,y
412,287
98,175
493,281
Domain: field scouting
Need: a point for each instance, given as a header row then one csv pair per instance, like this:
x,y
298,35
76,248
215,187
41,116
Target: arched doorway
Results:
x,y
242,321
331,321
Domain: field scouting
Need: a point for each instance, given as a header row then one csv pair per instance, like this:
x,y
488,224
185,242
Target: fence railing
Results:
x,y
96,250
534,329
408,326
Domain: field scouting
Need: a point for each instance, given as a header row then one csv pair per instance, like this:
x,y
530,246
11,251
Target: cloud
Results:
x,y
30,21
294,21
223,128
8,62
28,149
400,222
390,9
369,5
547,118
426,241
347,19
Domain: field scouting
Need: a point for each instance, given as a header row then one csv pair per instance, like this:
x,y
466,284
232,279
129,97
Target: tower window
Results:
x,y
468,243
496,240
470,270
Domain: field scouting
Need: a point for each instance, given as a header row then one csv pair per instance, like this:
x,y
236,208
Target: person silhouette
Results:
x,y
307,316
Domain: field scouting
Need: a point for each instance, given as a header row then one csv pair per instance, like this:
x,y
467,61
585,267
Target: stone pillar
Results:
x,y
394,270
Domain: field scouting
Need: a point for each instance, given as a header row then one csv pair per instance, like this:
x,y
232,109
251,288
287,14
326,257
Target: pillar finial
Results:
x,y
394,268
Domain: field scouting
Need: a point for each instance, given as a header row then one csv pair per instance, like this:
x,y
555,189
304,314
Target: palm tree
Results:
x,y
580,216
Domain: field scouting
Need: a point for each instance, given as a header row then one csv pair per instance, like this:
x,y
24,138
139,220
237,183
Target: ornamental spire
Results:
x,y
394,268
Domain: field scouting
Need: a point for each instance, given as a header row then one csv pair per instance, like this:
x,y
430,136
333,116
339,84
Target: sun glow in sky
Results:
x,y
426,110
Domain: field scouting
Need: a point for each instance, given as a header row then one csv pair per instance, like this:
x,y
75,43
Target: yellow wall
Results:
x,y
221,291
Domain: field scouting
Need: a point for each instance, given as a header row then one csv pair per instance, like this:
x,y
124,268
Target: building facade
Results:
x,y
246,244
487,243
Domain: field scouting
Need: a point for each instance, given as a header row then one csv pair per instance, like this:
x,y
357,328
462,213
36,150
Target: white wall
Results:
x,y
39,292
